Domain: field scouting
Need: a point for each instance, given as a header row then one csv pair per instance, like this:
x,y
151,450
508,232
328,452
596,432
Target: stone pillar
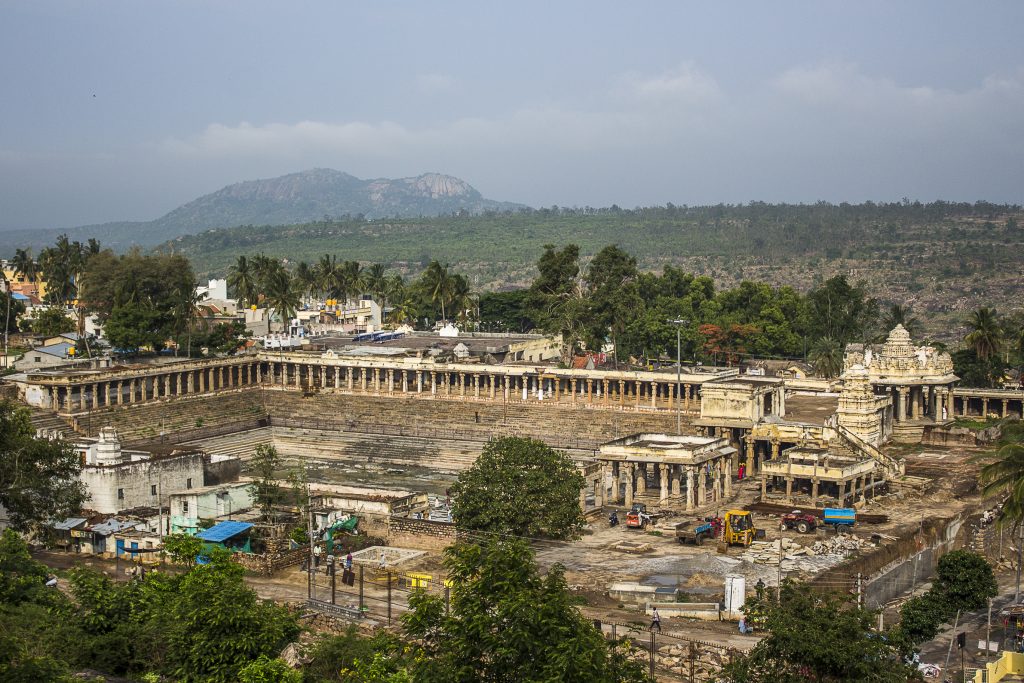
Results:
x,y
949,403
629,482
616,493
775,449
106,393
915,403
605,396
689,488
637,389
476,386
663,471
590,389
750,455
764,486
789,489
686,397
131,391
622,393
702,487
814,491
727,476
654,394
1006,408
583,499
984,408
96,396
167,385
676,475
599,491
641,478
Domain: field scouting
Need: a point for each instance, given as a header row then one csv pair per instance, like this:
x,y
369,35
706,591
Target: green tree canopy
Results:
x,y
522,487
813,637
508,623
52,321
38,477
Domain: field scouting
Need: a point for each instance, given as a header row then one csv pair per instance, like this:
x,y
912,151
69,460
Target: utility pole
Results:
x,y
778,592
860,591
312,543
679,322
1020,541
988,631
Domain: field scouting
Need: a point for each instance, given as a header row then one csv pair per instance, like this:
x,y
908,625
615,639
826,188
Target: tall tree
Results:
x,y
242,280
282,294
25,265
985,337
38,477
556,299
827,357
899,314
841,311
520,486
437,281
614,294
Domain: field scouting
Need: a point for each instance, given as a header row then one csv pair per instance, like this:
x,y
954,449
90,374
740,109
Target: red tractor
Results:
x,y
801,521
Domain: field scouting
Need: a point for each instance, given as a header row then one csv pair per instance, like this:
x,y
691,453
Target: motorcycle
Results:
x,y
613,519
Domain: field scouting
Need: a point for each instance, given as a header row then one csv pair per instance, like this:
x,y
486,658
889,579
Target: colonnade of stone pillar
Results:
x,y
920,402
700,484
175,381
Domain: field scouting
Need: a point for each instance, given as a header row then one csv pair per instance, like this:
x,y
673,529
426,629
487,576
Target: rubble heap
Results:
x,y
795,557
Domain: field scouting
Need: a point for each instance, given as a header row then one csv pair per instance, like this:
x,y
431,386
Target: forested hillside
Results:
x,y
942,258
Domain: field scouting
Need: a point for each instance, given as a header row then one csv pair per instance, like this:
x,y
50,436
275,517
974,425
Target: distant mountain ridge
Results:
x,y
294,198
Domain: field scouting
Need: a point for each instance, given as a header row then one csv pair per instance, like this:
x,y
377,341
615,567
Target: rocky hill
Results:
x,y
289,199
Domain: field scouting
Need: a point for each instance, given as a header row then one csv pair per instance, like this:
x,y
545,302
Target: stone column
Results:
x,y
789,489
775,449
493,381
583,499
686,397
106,393
629,482
984,408
605,396
764,486
689,488
915,403
622,393
616,493
814,491
702,488
599,491
1006,408
727,476
663,472
949,403
750,455
131,391
676,475
167,385
654,394
590,390
641,478
476,386
636,387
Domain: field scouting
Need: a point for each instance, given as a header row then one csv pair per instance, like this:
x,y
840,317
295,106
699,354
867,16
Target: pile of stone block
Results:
x,y
795,557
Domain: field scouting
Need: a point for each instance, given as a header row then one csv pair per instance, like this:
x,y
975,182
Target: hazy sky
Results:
x,y
124,110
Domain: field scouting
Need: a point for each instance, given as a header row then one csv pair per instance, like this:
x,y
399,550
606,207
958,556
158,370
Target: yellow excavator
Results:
x,y
738,528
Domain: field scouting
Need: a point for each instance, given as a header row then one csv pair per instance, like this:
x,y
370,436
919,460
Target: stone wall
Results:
x,y
421,534
140,483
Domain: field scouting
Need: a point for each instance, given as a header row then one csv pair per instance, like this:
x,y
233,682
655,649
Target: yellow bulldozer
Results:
x,y
738,528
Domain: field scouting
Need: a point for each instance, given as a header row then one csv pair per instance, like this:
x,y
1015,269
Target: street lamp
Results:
x,y
679,322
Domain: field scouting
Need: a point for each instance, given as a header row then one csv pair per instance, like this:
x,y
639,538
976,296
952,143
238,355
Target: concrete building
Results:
x,y
659,467
191,507
118,479
807,474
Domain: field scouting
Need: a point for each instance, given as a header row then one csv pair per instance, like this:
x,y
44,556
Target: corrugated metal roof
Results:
x,y
69,523
223,531
112,526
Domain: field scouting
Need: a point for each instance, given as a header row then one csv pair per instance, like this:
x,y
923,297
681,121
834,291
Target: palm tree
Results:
x,y
242,280
25,265
1005,474
306,280
438,283
282,294
401,312
902,315
827,357
184,314
326,272
61,264
460,297
985,337
376,281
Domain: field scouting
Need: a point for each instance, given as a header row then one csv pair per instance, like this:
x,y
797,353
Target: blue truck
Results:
x,y
840,517
685,533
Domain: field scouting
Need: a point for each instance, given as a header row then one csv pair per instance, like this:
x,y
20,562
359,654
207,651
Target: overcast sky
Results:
x,y
125,110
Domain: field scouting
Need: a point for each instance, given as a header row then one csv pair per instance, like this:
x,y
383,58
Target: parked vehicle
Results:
x,y
739,528
840,517
695,532
637,517
613,519
801,521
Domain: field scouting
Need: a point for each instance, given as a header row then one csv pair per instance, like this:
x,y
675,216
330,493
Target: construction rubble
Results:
x,y
820,555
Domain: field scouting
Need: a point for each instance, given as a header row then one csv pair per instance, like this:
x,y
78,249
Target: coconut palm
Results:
x,y
401,312
282,293
902,315
460,297
1004,474
242,280
438,283
306,280
376,281
25,265
61,264
827,357
985,337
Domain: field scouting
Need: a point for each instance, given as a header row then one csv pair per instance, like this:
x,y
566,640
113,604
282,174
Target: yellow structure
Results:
x,y
22,285
1007,668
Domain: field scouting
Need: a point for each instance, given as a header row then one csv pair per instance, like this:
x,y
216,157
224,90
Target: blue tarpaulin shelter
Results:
x,y
231,535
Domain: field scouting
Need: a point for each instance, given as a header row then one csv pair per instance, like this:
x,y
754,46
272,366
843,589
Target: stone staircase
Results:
x,y
238,445
50,422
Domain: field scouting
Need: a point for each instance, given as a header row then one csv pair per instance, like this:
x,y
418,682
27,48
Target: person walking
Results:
x,y
348,562
655,620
